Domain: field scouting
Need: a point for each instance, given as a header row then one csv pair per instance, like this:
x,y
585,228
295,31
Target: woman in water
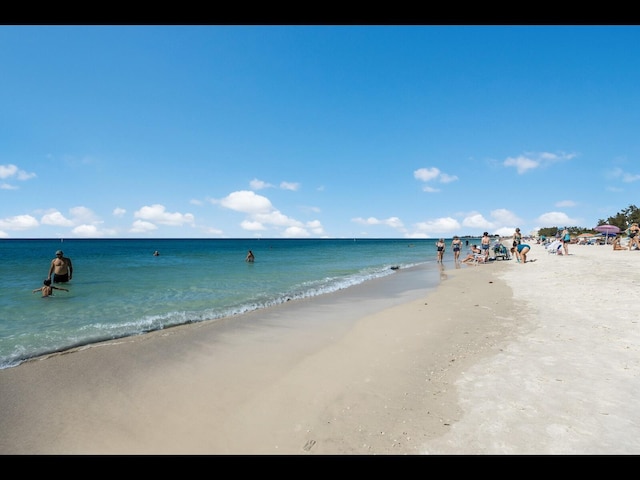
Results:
x,y
456,246
440,246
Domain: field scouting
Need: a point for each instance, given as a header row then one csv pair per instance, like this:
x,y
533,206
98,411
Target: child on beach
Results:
x,y
47,288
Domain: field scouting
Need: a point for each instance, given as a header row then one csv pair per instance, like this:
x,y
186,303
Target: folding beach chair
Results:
x,y
501,252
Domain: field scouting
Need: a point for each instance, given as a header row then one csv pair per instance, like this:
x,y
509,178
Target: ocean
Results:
x,y
119,288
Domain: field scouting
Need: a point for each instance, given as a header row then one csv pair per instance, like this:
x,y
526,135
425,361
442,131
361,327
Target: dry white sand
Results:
x,y
503,358
569,383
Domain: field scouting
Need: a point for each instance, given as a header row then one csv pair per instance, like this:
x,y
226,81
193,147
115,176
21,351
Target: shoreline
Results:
x,y
468,367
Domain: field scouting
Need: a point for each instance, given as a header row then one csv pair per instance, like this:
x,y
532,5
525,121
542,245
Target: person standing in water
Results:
x,y
456,246
250,257
61,268
440,247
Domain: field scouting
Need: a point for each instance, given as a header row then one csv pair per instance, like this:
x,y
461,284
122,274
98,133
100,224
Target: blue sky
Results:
x,y
315,131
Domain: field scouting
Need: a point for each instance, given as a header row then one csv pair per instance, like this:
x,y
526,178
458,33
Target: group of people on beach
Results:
x,y
476,254
633,233
480,253
456,247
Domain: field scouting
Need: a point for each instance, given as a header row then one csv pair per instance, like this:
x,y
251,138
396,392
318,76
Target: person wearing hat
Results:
x,y
61,268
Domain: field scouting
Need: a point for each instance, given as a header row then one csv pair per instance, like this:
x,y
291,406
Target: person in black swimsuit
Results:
x,y
61,268
440,246
456,246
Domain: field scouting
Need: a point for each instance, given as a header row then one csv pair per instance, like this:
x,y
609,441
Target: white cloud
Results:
x,y
426,174
393,222
252,226
295,232
521,163
91,231
433,173
530,161
140,226
556,219
256,184
277,218
19,222
7,171
477,222
261,214
435,227
316,227
57,219
247,202
13,172
289,186
156,213
502,216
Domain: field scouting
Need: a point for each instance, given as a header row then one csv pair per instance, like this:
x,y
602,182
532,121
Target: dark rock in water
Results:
x,y
395,267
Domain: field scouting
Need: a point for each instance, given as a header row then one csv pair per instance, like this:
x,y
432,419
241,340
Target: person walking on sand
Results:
x,y
440,247
566,240
61,268
47,289
456,246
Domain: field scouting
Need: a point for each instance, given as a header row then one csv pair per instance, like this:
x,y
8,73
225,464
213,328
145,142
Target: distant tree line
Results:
x,y
622,220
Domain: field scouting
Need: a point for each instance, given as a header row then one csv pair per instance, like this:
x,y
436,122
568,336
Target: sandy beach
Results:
x,y
503,358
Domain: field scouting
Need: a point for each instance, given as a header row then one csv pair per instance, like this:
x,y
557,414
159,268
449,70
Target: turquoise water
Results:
x,y
120,289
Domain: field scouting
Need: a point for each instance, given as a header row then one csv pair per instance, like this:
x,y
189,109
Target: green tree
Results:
x,y
623,218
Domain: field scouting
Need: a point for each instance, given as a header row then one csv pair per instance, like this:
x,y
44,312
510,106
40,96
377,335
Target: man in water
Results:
x,y
61,268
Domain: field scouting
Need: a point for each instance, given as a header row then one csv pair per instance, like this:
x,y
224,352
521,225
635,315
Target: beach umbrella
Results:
x,y
607,230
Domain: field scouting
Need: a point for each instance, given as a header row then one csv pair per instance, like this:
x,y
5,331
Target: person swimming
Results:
x,y
47,289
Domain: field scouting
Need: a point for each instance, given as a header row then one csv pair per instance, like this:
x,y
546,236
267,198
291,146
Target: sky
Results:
x,y
317,131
